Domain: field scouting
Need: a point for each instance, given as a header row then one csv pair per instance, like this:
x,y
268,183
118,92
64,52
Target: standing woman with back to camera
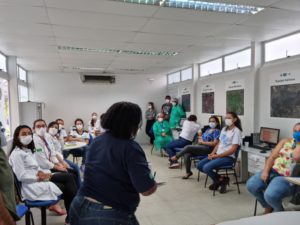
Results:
x,y
116,172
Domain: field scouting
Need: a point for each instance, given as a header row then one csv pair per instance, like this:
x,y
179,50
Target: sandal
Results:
x,y
187,176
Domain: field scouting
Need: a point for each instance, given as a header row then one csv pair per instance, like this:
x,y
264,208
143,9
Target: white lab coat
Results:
x,y
45,156
95,127
57,147
25,167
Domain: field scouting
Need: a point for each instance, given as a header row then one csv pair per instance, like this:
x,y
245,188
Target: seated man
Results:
x,y
186,137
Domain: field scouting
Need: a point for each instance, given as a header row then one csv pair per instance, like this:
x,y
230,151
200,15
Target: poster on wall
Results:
x,y
285,92
208,102
186,99
235,97
208,98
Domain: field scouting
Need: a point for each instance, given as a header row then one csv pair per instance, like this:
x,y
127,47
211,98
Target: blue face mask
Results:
x,y
297,136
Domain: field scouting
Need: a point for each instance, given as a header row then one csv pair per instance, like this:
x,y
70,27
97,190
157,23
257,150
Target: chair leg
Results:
x,y
227,176
198,179
255,207
181,162
43,215
206,181
152,149
28,218
236,180
32,220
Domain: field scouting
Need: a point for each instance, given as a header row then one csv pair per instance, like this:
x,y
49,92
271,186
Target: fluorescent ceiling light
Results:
x,y
117,51
87,68
200,5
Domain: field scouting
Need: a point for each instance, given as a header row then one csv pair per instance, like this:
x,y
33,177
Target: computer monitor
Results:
x,y
182,121
269,136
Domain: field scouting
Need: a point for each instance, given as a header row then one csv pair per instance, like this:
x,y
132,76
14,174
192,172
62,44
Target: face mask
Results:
x,y
60,126
160,119
25,140
297,136
167,101
40,131
228,122
79,127
94,117
149,107
212,125
174,103
53,131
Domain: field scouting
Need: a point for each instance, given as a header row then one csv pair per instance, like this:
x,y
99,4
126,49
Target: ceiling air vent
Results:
x,y
97,78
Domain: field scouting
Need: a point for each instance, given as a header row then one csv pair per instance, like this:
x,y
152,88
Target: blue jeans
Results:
x,y
85,212
178,143
76,170
271,195
207,166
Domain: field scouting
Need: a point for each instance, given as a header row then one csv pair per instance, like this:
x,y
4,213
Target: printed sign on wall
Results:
x,y
284,79
235,85
208,88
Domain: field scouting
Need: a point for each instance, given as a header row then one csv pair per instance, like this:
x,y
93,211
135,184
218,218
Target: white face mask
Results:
x,y
167,101
94,117
25,140
174,103
149,107
53,131
60,126
79,127
212,125
228,122
40,131
160,119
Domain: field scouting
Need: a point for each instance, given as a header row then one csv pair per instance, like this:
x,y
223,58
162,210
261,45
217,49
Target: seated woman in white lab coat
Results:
x,y
80,135
38,183
94,124
56,147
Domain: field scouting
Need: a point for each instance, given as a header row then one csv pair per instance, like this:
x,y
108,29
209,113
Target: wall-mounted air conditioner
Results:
x,y
97,78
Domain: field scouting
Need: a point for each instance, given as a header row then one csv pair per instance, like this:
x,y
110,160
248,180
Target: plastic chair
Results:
x,y
23,210
229,170
43,205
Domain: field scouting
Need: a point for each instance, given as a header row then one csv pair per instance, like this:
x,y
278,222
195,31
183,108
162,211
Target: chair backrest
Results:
x,y
236,155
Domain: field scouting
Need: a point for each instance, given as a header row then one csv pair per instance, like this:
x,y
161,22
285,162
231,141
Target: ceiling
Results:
x,y
32,30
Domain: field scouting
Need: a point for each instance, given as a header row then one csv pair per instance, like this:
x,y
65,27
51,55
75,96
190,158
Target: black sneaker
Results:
x,y
224,184
214,186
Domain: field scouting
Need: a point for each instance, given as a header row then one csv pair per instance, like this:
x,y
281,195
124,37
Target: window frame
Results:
x,y
236,52
6,63
26,74
168,75
211,60
22,83
190,67
279,59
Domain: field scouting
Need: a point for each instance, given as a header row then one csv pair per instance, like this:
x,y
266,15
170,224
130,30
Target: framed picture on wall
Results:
x,y
208,102
235,101
186,102
285,101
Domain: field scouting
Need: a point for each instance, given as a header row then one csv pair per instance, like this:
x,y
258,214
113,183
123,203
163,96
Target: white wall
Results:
x,y
265,74
65,96
219,81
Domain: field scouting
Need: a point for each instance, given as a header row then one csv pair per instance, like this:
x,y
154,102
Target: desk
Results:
x,y
73,145
279,218
244,160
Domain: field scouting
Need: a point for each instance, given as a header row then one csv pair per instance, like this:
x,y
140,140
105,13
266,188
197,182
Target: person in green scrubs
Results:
x,y
162,132
176,114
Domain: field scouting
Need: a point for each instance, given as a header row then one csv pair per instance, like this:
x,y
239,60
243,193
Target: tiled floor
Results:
x,y
183,202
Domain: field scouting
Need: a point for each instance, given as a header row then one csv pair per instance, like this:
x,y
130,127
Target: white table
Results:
x,y
293,180
279,218
73,145
244,160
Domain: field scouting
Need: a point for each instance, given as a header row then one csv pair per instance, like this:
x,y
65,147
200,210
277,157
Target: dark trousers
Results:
x,y
77,152
193,150
65,182
85,212
149,131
